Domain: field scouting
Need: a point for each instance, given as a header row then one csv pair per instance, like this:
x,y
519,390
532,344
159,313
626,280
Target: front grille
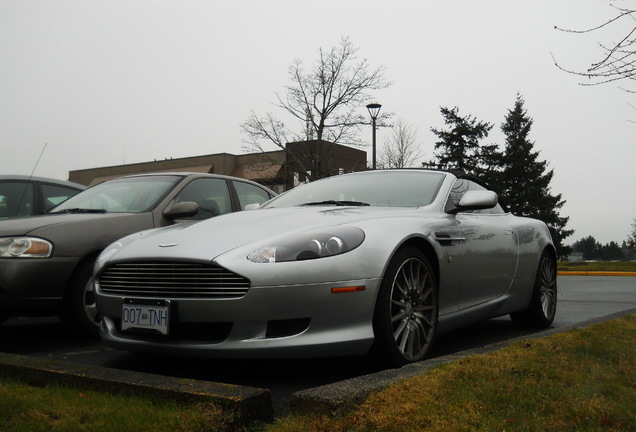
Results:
x,y
169,280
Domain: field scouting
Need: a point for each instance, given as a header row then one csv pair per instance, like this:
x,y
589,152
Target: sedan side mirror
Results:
x,y
476,200
181,210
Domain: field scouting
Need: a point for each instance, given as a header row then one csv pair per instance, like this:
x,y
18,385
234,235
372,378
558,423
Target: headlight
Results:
x,y
112,249
310,246
25,247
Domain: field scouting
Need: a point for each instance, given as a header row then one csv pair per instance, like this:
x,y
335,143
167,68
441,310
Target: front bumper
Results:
x,y
307,320
34,287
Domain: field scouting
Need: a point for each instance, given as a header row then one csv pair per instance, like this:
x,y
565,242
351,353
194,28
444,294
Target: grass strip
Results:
x,y
24,408
583,380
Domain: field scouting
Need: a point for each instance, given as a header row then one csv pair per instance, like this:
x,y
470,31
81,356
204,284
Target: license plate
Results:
x,y
146,314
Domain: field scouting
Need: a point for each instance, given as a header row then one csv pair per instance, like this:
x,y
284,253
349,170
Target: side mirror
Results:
x,y
476,200
252,206
181,210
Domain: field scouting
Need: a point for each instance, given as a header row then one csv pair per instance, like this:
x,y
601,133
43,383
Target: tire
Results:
x,y
79,312
406,310
542,309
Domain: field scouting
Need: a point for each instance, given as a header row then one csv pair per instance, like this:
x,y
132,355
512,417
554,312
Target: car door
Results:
x,y
17,198
211,194
489,250
248,193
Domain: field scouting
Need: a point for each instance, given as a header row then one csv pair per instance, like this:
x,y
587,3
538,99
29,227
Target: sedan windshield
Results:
x,y
127,195
374,188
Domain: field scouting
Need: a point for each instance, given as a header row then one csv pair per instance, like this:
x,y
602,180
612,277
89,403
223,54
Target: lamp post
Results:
x,y
374,110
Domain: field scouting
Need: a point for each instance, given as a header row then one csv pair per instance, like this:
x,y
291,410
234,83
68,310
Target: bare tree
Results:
x,y
618,61
401,149
324,103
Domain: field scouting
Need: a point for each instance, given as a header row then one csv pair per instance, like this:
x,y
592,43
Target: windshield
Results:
x,y
127,195
375,188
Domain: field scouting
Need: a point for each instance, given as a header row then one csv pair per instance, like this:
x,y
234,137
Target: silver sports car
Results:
x,y
377,259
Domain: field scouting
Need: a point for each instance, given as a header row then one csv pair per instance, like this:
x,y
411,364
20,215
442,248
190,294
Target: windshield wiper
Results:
x,y
80,210
337,203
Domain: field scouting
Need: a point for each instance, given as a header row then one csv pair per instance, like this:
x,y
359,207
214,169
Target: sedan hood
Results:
x,y
208,239
31,225
78,234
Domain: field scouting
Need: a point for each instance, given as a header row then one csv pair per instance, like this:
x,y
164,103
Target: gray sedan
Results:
x,y
46,262
377,260
27,195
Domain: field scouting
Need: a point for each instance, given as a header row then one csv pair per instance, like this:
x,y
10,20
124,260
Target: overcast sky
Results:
x,y
122,81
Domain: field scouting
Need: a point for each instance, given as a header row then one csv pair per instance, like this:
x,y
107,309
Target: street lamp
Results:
x,y
374,110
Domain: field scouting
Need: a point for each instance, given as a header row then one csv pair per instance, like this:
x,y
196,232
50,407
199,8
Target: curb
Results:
x,y
247,403
341,397
595,273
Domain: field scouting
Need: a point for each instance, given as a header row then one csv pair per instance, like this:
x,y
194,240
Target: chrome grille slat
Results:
x,y
146,281
172,280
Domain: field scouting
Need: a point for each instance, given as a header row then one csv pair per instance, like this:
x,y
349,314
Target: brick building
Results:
x,y
279,170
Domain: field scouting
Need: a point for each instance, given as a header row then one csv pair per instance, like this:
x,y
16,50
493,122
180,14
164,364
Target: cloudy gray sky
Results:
x,y
121,81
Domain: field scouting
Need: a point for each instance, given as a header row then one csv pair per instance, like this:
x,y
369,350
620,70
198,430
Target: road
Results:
x,y
580,299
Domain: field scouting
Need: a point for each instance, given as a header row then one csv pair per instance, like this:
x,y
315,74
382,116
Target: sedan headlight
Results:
x,y
310,246
25,247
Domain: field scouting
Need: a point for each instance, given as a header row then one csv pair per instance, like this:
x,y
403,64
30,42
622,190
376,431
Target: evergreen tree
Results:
x,y
488,169
458,147
612,252
631,239
589,247
525,180
516,174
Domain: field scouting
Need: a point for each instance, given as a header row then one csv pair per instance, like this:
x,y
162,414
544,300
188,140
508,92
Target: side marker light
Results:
x,y
348,289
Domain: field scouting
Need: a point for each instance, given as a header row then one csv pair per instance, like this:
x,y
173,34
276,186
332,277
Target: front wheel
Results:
x,y
79,312
405,318
542,309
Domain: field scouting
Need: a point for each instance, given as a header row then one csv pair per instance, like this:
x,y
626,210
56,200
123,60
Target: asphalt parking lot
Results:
x,y
301,383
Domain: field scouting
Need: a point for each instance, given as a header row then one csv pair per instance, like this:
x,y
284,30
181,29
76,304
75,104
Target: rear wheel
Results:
x,y
542,309
79,312
405,318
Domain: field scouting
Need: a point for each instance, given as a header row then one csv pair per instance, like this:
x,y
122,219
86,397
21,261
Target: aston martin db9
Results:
x,y
376,260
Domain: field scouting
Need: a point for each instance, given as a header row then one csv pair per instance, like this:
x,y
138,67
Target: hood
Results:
x,y
208,239
78,235
32,224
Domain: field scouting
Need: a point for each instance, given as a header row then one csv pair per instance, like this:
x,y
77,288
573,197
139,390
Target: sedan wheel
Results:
x,y
79,314
542,309
406,311
90,308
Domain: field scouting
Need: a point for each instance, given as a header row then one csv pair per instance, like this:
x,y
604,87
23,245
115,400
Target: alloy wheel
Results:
x,y
547,287
413,309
